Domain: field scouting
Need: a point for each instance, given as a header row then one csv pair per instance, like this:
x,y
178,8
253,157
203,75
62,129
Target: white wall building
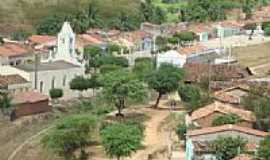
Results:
x,y
172,57
51,75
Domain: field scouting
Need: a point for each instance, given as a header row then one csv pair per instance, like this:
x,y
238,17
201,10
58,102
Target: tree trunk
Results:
x,y
158,99
119,106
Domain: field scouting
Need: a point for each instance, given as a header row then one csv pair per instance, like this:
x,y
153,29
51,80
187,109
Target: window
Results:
x,y
64,80
52,83
41,86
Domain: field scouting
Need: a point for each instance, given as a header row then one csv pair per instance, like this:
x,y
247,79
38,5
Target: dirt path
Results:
x,y
29,140
156,139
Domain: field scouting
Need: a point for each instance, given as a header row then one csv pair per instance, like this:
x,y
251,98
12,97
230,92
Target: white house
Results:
x,y
172,57
57,74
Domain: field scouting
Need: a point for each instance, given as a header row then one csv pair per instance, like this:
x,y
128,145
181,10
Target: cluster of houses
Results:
x,y
228,94
43,62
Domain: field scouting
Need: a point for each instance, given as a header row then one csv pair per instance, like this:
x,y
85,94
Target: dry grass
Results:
x,y
253,56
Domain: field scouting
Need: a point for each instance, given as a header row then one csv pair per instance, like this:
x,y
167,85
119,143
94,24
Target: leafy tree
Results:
x,y
109,68
162,43
267,30
56,93
258,102
112,60
226,148
5,102
114,48
120,140
264,149
165,80
120,86
247,6
20,35
152,13
79,83
226,119
185,36
93,83
142,67
92,55
50,25
71,133
189,93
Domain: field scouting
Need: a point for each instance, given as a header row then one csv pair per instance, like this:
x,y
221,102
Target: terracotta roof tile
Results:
x,y
12,49
229,127
192,49
6,80
41,39
222,108
29,97
243,157
227,96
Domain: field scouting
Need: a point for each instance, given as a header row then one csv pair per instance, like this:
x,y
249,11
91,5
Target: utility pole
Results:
x,y
36,70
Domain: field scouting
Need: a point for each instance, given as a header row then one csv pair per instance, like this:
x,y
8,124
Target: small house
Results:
x,y
29,103
204,117
198,142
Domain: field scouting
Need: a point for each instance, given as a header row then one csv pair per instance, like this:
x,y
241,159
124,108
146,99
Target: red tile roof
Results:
x,y
225,95
41,39
29,97
229,127
91,39
192,49
222,108
6,80
12,49
242,157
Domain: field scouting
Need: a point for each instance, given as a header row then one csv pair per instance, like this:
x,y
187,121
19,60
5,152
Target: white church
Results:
x,y
58,67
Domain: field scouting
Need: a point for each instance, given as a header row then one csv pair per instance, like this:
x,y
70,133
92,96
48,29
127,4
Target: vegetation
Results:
x,y
226,148
258,102
194,97
92,55
226,119
120,140
79,83
165,80
56,93
120,87
5,102
142,67
71,133
264,149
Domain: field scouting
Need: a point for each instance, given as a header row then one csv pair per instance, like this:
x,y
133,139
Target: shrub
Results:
x,y
226,119
56,93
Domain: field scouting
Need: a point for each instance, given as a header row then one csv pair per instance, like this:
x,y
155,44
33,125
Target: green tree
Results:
x,y
226,148
120,86
189,93
120,140
71,133
264,149
106,68
79,83
165,80
56,93
258,102
142,67
5,102
226,119
50,25
20,35
92,55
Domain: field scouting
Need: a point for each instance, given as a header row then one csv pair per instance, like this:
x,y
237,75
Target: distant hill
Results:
x,y
26,13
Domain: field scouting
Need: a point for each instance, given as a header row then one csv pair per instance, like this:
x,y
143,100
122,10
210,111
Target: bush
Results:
x,y
20,35
106,68
226,148
189,93
56,93
264,149
226,119
120,140
267,30
181,131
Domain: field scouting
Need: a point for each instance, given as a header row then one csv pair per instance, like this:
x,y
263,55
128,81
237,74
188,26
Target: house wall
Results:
x,y
30,109
207,121
61,79
213,136
18,88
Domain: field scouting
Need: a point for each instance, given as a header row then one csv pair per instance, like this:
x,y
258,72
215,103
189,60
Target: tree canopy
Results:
x,y
120,140
120,86
165,79
264,149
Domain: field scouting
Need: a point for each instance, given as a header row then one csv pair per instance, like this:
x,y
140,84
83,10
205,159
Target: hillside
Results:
x,y
27,13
